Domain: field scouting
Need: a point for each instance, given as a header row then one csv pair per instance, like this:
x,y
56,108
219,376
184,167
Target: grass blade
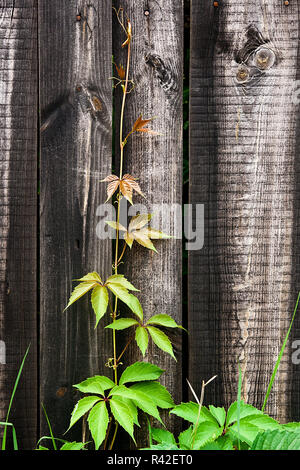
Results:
x,y
49,427
14,434
280,355
238,409
13,395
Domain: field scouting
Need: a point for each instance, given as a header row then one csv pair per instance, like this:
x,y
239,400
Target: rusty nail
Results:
x,y
146,12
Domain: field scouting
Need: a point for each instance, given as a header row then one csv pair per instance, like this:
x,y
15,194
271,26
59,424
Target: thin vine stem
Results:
x,y
119,196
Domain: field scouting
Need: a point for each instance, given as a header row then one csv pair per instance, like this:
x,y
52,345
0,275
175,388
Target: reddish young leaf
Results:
x,y
120,71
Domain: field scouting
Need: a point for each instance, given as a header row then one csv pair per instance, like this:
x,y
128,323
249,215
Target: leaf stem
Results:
x,y
107,434
114,436
124,350
122,254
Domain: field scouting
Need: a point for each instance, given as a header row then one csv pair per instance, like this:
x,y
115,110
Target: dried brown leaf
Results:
x,y
127,185
120,71
140,123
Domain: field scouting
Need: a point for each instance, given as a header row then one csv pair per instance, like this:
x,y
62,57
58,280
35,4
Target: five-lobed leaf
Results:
x,y
138,231
98,421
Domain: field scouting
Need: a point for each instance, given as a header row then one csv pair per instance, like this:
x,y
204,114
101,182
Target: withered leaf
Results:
x,y
129,34
127,185
139,126
138,232
121,71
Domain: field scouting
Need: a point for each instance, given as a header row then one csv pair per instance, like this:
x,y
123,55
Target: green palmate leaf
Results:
x,y
140,371
79,291
163,320
161,340
122,324
189,412
162,436
98,422
82,407
205,433
90,277
219,414
277,440
142,339
158,393
97,384
99,300
122,415
120,280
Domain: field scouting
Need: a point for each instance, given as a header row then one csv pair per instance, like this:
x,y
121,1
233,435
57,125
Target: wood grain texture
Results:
x,y
243,128
76,107
156,69
18,212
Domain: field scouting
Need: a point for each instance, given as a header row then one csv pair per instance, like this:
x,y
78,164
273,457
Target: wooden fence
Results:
x,y
56,144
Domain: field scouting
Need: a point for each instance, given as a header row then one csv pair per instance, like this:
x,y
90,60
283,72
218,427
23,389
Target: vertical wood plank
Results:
x,y
18,213
242,167
76,106
156,69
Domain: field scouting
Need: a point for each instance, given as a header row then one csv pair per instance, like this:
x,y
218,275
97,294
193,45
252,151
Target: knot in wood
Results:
x,y
264,58
242,74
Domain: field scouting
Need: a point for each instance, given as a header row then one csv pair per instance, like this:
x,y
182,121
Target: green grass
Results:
x,y
7,423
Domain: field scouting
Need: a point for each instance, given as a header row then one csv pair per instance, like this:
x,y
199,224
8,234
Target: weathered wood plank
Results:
x,y
76,102
243,123
18,213
156,69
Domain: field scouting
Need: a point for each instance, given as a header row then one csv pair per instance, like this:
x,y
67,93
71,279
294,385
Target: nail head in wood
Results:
x,y
242,74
